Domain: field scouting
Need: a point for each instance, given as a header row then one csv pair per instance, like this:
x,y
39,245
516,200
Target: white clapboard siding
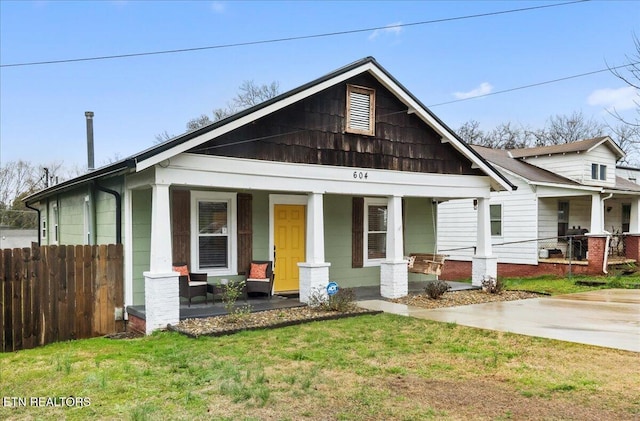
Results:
x,y
457,226
577,166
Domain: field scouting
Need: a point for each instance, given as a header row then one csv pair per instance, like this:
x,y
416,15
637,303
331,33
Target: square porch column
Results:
x,y
597,214
314,273
394,273
483,264
161,293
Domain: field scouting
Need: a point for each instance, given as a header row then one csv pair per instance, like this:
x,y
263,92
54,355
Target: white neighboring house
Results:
x,y
11,238
560,188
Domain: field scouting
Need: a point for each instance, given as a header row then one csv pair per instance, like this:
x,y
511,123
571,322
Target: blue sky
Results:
x,y
134,99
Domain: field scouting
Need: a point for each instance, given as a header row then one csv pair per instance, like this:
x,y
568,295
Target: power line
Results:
x,y
296,38
533,85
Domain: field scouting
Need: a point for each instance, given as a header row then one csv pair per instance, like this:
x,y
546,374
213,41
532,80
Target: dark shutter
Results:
x,y
245,231
180,226
357,233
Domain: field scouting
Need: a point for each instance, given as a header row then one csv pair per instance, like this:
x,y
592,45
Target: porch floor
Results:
x,y
200,309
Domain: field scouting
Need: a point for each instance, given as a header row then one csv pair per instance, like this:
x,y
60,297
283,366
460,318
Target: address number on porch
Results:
x,y
360,175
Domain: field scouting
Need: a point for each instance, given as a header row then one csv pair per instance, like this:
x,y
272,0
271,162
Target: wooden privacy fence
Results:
x,y
57,293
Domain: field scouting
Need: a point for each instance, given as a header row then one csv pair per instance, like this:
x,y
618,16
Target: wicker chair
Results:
x,y
260,284
191,284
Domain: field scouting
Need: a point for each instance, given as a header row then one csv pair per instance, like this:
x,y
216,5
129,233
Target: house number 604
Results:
x,y
359,175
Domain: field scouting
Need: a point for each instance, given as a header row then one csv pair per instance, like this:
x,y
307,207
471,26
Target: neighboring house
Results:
x,y
17,237
337,180
562,189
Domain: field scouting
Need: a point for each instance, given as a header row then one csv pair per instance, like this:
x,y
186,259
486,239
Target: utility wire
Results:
x,y
532,85
296,38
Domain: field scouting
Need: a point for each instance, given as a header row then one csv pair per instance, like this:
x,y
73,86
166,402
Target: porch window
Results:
x,y
375,234
214,228
495,213
360,110
563,219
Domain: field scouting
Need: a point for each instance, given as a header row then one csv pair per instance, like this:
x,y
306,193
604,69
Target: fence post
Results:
x,y
5,292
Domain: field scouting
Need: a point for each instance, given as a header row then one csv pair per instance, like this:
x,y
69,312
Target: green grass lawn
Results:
x,y
555,286
378,367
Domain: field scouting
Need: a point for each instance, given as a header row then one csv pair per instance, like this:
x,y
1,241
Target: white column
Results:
x,y
634,223
483,264
597,215
160,230
394,274
314,273
161,291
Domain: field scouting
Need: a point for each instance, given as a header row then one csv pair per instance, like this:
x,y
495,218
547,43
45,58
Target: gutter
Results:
x,y
38,224
118,198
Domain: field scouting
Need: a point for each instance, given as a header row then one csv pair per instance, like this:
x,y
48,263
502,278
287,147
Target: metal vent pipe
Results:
x,y
90,159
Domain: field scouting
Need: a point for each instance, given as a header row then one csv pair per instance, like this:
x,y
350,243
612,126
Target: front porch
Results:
x,y
137,313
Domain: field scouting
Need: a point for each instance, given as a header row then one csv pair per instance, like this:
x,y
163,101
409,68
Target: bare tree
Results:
x,y
249,94
471,133
631,76
566,129
504,136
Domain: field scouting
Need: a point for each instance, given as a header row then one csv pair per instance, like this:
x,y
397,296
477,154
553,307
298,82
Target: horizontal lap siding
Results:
x,y
141,209
457,225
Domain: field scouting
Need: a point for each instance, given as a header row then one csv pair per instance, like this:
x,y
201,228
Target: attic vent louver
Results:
x,y
360,110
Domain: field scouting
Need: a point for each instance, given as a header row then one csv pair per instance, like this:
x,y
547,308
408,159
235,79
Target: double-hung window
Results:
x,y
375,232
495,213
213,227
598,172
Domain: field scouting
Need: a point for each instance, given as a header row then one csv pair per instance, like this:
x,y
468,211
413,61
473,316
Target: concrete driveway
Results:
x,y
608,318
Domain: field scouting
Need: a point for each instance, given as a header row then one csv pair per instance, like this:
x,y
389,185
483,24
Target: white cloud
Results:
x,y
393,29
619,99
217,6
483,89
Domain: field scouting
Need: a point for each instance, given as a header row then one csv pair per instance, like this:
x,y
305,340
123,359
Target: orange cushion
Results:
x,y
258,271
182,270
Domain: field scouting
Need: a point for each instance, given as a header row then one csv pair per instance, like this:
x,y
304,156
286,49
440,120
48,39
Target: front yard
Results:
x,y
375,367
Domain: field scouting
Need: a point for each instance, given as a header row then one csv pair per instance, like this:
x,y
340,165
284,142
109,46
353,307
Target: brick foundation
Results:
x,y
597,249
136,324
632,247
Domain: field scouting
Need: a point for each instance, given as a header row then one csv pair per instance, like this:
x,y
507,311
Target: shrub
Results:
x,y
342,301
435,289
230,293
492,285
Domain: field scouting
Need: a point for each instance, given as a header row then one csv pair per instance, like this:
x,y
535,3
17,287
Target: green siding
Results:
x,y
141,239
71,217
105,212
419,220
260,225
337,237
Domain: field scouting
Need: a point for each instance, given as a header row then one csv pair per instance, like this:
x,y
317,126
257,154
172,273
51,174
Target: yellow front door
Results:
x,y
289,227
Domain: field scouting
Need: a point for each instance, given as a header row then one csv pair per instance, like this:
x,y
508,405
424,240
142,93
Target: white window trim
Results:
x,y
232,239
372,106
87,220
43,227
369,201
501,220
55,215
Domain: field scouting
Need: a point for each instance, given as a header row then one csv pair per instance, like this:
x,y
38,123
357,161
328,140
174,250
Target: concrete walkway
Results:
x,y
608,318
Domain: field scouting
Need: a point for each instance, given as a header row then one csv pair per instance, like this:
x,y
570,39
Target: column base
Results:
x,y
394,279
313,277
161,300
481,267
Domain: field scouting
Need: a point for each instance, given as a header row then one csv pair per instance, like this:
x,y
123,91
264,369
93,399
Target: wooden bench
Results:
x,y
427,263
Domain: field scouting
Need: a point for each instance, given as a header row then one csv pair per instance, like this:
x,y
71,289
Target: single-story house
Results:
x,y
338,179
563,190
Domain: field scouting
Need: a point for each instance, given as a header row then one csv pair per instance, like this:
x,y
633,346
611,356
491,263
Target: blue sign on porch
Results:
x,y
332,288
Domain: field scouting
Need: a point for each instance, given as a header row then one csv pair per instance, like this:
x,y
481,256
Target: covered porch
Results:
x,y
352,230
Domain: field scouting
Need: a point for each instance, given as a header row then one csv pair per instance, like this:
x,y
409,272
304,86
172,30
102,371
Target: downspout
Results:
x,y
605,259
37,210
118,198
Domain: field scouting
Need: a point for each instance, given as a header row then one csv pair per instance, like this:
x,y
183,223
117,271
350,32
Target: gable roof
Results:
x,y
182,143
586,145
535,175
503,159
